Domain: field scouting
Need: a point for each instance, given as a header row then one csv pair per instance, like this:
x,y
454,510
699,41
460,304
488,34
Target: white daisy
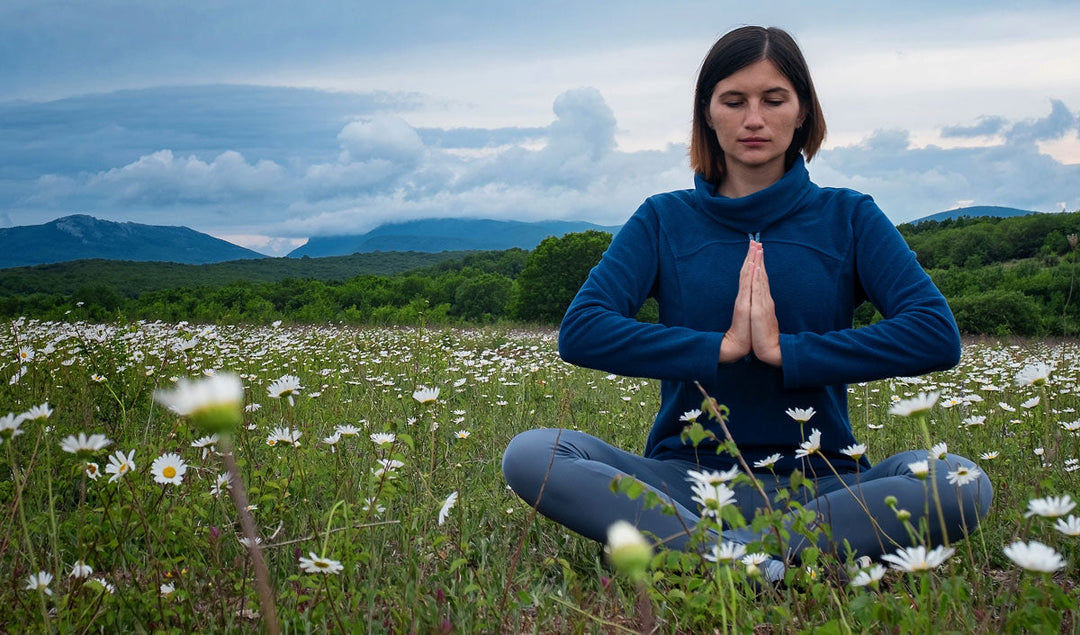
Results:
x,y
768,461
917,559
963,475
120,464
84,445
810,446
38,412
9,426
725,552
1050,506
1069,526
168,469
1033,374
319,564
287,386
802,415
917,405
426,395
81,570
447,505
868,576
1035,556
383,438
39,582
855,450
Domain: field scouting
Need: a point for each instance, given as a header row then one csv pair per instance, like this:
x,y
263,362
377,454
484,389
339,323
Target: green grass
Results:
x,y
493,565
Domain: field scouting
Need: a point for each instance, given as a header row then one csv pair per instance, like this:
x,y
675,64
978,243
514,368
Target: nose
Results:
x,y
754,120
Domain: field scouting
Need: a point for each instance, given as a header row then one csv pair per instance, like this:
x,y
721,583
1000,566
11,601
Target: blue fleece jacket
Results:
x,y
826,250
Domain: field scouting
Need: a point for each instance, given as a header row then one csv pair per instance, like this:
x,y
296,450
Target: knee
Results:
x,y
521,462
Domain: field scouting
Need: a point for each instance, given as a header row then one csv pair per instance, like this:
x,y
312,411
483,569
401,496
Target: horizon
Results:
x,y
264,126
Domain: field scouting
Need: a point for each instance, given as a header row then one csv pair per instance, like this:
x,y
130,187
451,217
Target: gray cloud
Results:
x,y
984,126
1057,124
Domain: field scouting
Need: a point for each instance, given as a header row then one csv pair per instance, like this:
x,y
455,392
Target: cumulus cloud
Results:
x,y
161,178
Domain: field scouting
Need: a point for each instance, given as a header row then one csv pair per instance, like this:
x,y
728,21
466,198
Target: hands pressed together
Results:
x,y
753,322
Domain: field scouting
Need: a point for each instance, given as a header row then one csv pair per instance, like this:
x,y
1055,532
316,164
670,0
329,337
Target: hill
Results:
x,y
975,211
80,237
132,278
444,234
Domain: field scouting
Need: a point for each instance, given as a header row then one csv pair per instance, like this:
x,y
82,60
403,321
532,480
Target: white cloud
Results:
x,y
163,179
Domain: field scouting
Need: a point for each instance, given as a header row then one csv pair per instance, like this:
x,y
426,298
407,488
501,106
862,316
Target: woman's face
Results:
x,y
754,113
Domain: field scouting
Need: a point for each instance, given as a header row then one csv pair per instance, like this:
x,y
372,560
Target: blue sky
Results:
x,y
268,122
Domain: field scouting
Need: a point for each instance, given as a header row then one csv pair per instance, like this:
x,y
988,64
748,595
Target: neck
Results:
x,y
742,182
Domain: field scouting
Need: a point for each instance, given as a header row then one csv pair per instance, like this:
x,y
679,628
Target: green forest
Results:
x,y
1001,276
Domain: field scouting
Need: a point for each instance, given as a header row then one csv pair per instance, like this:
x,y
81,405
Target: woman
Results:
x,y
762,340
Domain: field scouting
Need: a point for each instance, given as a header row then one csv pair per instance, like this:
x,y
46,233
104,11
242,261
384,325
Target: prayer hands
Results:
x,y
753,322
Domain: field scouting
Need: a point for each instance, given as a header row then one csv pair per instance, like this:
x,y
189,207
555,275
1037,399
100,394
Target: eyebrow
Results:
x,y
739,93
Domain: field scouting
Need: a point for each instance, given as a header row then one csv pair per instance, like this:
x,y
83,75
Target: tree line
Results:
x,y
1001,276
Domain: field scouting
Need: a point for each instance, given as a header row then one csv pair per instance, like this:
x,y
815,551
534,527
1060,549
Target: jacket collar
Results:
x,y
751,214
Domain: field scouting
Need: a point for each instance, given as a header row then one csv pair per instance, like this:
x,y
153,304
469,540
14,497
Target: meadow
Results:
x,y
370,463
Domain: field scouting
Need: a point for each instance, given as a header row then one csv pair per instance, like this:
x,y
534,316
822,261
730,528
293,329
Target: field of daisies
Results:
x,y
180,477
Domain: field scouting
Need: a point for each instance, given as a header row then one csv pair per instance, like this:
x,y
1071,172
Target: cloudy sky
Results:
x,y
268,122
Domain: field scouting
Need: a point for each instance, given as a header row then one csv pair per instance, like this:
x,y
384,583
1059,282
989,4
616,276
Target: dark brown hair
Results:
x,y
736,50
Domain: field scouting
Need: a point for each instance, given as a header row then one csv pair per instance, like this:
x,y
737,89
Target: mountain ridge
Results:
x,y
83,237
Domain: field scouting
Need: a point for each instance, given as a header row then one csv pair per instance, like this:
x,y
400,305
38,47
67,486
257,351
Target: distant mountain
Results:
x,y
444,234
976,211
81,237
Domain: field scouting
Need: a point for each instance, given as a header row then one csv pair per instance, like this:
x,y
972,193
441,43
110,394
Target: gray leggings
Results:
x,y
567,476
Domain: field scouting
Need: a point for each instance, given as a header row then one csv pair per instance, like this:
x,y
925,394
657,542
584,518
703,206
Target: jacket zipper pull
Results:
x,y
755,236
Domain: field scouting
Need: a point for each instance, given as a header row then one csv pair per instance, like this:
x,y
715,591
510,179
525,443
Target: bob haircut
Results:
x,y
736,50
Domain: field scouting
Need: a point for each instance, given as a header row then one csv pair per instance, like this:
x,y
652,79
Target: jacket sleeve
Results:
x,y
599,329
917,334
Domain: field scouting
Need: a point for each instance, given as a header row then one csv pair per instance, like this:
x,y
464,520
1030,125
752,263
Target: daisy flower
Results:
x,y
1030,403
869,576
221,484
855,450
989,456
1035,556
9,426
963,475
383,438
93,471
1069,526
712,498
690,415
286,386
386,467
348,430
810,446
447,505
319,564
462,434
83,445
918,559
38,412
426,395
26,354
1050,507
81,570
768,461
726,552
167,589
712,478
627,549
39,582
974,420
939,450
205,444
213,402
917,405
120,464
1033,374
168,469
802,415
921,469
284,435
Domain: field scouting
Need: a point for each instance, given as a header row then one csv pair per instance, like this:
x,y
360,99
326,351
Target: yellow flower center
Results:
x,y
319,563
169,472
